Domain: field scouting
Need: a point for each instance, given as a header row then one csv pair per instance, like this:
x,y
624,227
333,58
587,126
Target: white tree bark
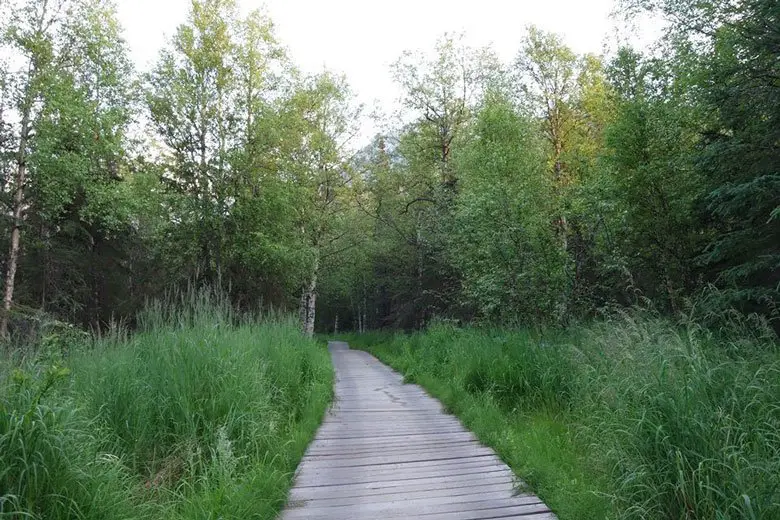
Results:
x,y
309,301
13,250
20,177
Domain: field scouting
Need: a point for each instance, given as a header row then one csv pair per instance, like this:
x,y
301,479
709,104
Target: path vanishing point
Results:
x,y
387,450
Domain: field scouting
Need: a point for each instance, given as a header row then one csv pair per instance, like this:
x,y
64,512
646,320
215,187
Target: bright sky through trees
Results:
x,y
362,38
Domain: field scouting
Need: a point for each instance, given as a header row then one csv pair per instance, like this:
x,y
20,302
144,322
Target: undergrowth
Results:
x,y
201,414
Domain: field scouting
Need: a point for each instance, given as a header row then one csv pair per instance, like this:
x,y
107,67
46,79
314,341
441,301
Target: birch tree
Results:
x,y
30,35
324,123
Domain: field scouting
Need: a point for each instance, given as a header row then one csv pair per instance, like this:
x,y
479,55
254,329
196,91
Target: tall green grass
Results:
x,y
200,414
631,418
688,420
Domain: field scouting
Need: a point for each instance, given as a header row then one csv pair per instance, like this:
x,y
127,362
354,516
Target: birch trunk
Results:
x,y
309,301
13,251
20,176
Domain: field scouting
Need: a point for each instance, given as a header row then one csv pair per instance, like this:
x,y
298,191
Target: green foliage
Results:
x,y
77,91
653,177
537,193
52,464
255,175
204,412
192,98
740,156
724,55
502,242
651,183
534,191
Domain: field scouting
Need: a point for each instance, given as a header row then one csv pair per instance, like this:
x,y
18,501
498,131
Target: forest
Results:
x,y
533,192
585,241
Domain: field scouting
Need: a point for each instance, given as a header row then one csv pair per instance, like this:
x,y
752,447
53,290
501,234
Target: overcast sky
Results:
x,y
361,38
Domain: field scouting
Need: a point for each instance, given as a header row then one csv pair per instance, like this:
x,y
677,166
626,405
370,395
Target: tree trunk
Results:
x,y
302,306
364,308
20,177
96,283
309,301
420,309
45,268
13,251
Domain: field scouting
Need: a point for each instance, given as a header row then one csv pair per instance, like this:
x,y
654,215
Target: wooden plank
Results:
x,y
528,512
444,484
371,509
380,460
420,439
355,435
340,476
391,500
387,450
327,476
453,508
370,483
331,478
393,457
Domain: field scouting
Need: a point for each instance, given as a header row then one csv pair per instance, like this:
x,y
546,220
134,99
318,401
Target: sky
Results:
x,y
361,38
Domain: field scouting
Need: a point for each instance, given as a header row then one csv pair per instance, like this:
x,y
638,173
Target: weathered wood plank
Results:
x,y
337,498
334,479
491,461
530,512
410,455
387,450
406,487
455,508
370,483
370,509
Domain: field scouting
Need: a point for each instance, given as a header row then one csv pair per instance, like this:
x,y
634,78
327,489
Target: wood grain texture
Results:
x,y
388,450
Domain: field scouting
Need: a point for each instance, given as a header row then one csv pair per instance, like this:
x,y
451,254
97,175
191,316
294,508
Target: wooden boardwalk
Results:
x,y
387,450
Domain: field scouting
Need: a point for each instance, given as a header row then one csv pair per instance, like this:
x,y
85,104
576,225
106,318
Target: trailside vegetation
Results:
x,y
631,417
202,413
